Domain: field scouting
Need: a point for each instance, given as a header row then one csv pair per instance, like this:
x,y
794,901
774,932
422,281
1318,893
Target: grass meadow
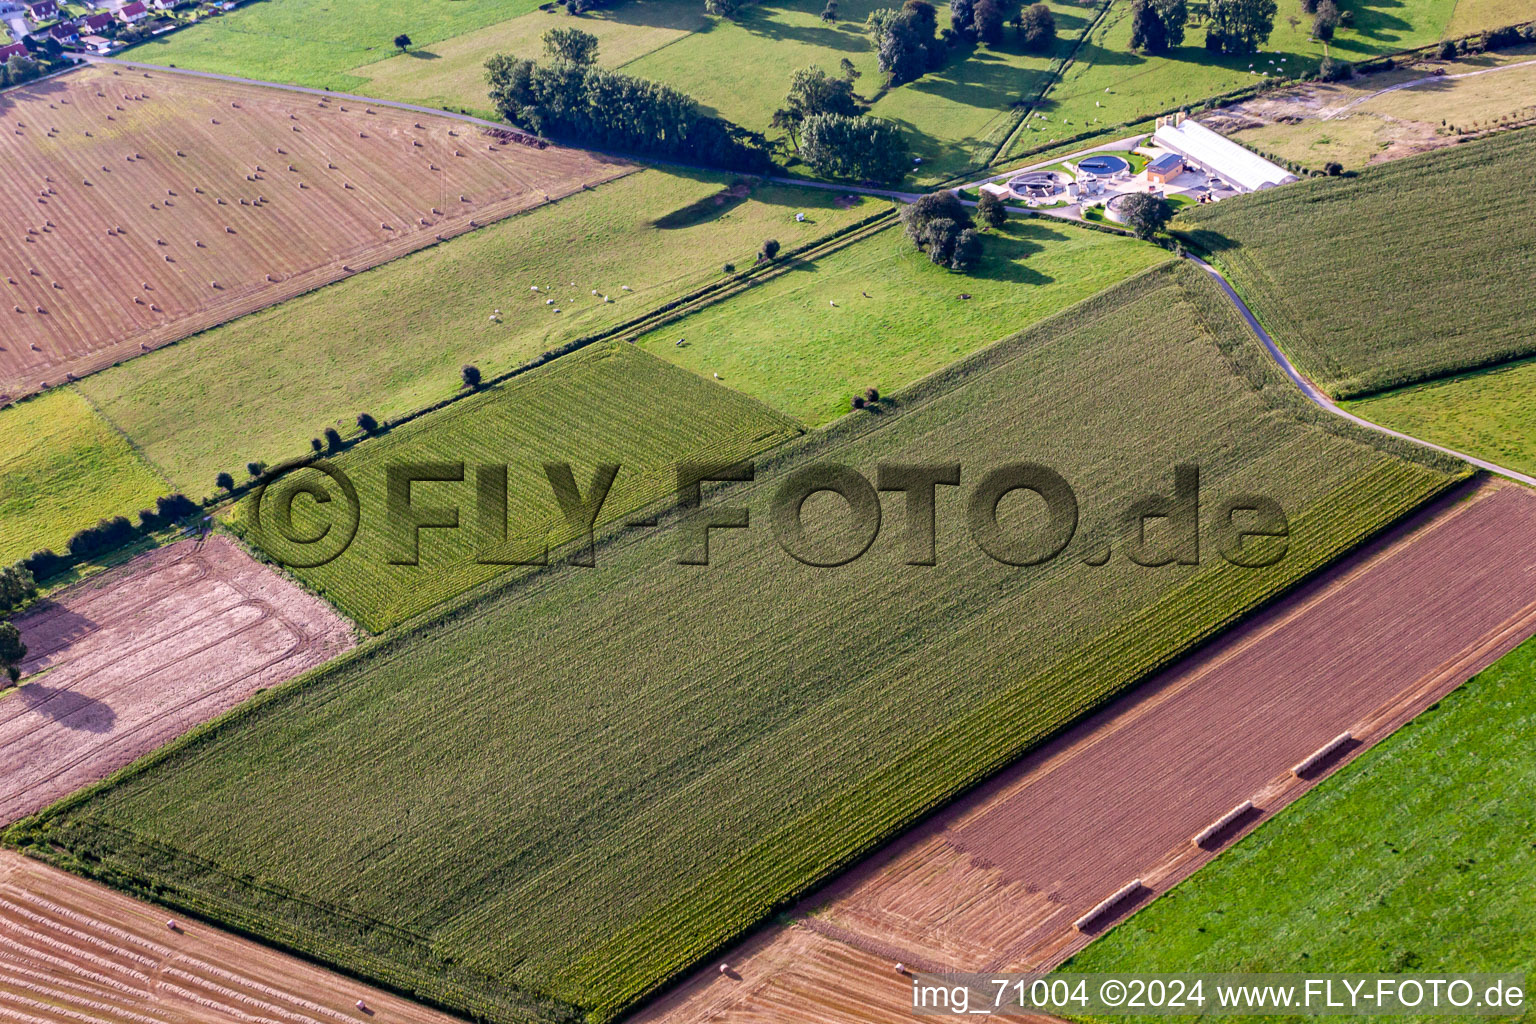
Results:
x,y
259,388
880,314
562,793
608,403
1399,275
1406,117
1108,84
1438,881
1490,413
62,467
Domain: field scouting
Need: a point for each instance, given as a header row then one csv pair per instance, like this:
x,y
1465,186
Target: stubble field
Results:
x,y
146,206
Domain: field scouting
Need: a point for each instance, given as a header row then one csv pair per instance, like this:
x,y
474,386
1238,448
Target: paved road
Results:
x,y
1308,389
1322,401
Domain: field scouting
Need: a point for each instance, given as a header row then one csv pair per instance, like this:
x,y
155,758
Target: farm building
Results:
x,y
134,12
1165,168
1209,151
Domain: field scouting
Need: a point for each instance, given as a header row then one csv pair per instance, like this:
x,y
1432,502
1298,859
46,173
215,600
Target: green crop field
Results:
x,y
880,314
61,469
604,404
1490,413
259,388
1108,84
1406,861
1396,276
562,793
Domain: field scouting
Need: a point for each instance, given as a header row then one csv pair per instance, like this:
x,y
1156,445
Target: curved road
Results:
x,y
1308,389
1322,401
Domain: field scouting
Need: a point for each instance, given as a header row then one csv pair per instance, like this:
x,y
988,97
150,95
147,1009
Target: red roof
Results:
x,y
63,30
134,9
43,8
13,50
97,22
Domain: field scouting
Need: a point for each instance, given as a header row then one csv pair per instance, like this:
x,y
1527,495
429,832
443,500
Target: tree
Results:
x,y
12,650
829,12
255,468
1331,69
366,423
769,250
333,439
1037,28
571,45
721,8
1147,32
1242,26
933,223
470,375
857,148
1325,21
813,91
317,444
845,66
17,588
992,211
225,481
402,42
1145,213
1447,50
20,69
989,21
1333,168
967,250
962,17
906,40
1174,15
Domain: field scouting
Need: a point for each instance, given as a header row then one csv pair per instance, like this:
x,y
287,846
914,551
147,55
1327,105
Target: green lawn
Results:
x,y
562,794
1407,272
1491,413
897,316
392,340
604,404
63,468
1416,858
1109,84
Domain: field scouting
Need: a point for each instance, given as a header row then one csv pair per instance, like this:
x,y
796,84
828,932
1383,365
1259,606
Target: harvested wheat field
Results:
x,y
75,951
140,654
144,206
999,881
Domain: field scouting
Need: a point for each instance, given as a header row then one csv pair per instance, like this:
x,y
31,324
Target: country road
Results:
x,y
1310,390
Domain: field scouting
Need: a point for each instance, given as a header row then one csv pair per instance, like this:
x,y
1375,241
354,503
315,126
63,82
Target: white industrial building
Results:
x,y
1214,153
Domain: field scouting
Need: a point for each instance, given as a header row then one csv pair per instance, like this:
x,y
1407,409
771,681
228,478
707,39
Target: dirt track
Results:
x,y
996,882
142,653
73,951
229,198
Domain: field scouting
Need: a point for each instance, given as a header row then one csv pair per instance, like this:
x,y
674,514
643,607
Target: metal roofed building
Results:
x,y
1213,152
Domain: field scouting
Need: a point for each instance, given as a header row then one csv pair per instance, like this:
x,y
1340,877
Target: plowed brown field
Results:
x,y
128,660
72,951
141,207
995,882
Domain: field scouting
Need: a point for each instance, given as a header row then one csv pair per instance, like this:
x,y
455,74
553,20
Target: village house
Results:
x,y
13,50
43,10
133,13
65,32
96,24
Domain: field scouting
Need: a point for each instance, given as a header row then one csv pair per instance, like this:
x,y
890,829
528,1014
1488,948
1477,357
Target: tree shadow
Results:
x,y
68,708
49,627
422,54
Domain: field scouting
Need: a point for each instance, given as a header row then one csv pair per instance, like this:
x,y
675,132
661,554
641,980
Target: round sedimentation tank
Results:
x,y
1115,208
1036,184
1103,164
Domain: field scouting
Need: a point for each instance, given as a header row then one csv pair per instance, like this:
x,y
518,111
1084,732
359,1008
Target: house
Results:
x,y
1215,154
1163,169
13,50
134,12
43,10
96,24
65,32
163,5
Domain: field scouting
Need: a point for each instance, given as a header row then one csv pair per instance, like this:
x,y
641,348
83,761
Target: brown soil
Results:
x,y
74,951
995,882
173,162
128,660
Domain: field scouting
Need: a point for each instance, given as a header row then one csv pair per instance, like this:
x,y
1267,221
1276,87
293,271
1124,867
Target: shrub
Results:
x,y
366,423
769,250
730,268
470,375
992,211
858,401
43,564
1447,50
255,468
872,394
104,536
333,439
317,444
1333,168
225,481
1333,70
